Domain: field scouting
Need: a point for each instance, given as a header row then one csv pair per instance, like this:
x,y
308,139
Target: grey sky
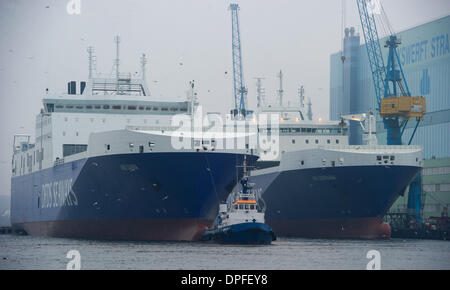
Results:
x,y
45,47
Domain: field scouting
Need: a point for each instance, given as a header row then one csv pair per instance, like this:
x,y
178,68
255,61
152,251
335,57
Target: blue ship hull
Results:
x,y
243,234
151,196
338,202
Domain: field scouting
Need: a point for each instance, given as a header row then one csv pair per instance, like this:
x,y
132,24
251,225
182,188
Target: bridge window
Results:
x,y
106,107
132,108
71,149
116,107
141,108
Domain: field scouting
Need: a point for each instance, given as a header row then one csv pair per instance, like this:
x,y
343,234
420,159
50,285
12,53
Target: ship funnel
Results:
x,y
72,88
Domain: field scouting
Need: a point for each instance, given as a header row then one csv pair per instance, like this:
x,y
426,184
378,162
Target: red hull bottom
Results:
x,y
362,228
120,230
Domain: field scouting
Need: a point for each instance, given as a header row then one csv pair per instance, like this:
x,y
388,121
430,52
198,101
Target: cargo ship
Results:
x,y
92,174
320,187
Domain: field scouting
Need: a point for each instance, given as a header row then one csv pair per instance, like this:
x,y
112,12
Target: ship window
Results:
x,y
141,149
89,107
148,108
108,147
337,141
392,158
97,107
317,141
164,109
236,206
79,107
71,149
116,107
293,141
69,107
241,206
386,157
329,141
173,109
252,207
132,108
302,162
379,158
141,108
155,109
106,107
307,141
183,110
59,107
246,206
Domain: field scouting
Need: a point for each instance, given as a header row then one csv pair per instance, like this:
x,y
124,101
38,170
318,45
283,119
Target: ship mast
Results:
x,y
91,59
143,67
117,62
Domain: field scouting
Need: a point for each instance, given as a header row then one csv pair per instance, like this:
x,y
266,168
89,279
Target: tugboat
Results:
x,y
243,221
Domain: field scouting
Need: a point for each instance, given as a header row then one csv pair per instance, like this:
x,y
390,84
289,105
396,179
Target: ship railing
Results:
x,y
372,147
58,161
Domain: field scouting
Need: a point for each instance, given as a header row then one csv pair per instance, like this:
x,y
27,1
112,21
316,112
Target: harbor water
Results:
x,y
27,252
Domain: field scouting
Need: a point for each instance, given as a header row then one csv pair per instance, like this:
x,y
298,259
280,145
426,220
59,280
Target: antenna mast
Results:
x,y
260,92
281,91
143,67
301,95
92,63
117,62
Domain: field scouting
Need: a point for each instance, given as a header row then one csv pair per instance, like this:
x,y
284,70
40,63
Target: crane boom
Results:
x,y
240,91
373,47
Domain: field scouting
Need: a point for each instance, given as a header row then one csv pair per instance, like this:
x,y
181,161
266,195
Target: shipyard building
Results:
x,y
425,57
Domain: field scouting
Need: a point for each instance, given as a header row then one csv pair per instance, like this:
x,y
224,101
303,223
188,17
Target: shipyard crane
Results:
x,y
395,103
240,91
